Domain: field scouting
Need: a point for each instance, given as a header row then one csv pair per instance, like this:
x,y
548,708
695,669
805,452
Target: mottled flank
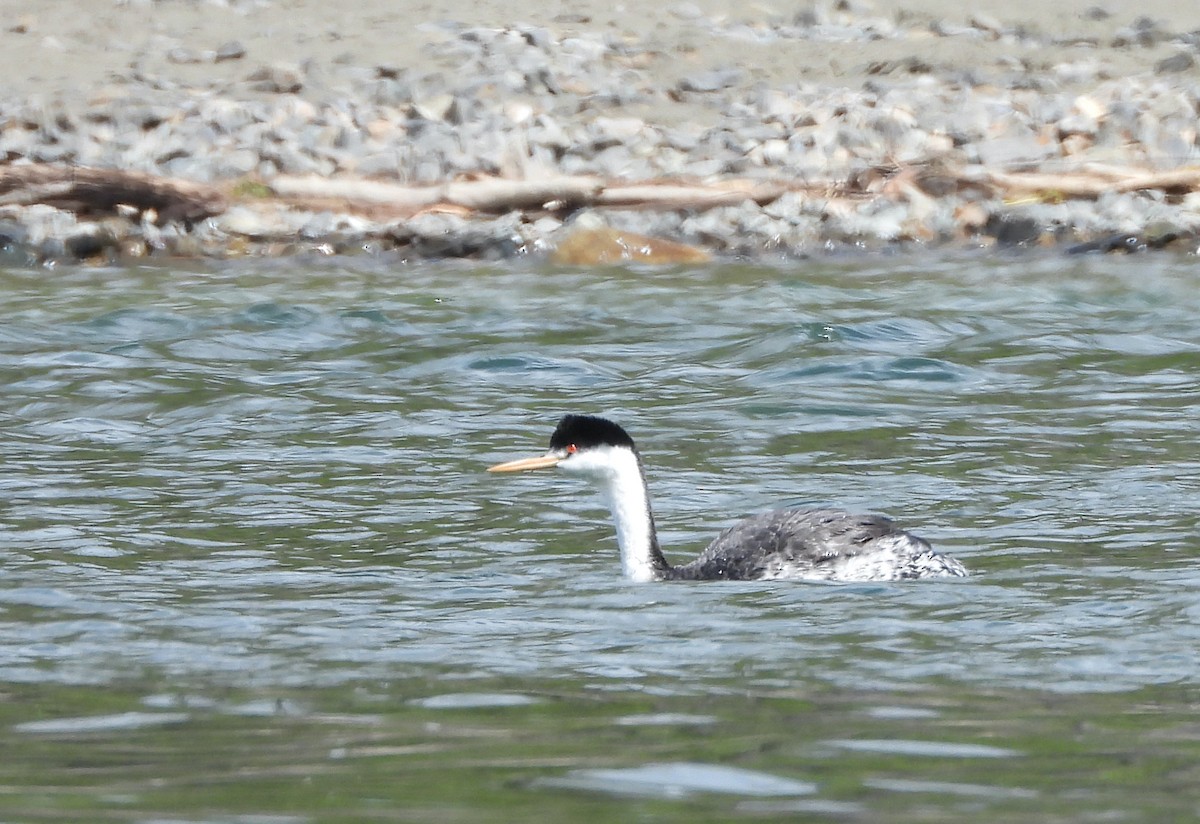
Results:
x,y
821,544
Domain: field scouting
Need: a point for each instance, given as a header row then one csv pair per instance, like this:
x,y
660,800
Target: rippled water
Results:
x,y
252,565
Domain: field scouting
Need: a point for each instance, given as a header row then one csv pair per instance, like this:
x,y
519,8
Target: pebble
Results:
x,y
552,99
711,81
231,50
277,79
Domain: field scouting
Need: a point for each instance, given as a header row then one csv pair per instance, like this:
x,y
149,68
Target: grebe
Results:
x,y
787,543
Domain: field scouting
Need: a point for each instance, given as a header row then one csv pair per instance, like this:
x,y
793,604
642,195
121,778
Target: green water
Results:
x,y
253,571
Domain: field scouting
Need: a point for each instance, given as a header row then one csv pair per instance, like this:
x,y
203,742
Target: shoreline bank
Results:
x,y
868,127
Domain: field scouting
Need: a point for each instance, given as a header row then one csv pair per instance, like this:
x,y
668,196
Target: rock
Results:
x,y
987,23
604,246
377,164
230,50
1143,33
324,225
537,37
236,163
440,107
1106,245
1077,124
686,11
90,244
277,79
184,56
1178,62
450,236
1089,106
133,247
971,218
712,81
1012,230
1009,152
261,220
391,92
12,235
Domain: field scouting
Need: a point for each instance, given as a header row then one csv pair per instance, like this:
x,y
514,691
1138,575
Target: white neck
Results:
x,y
619,475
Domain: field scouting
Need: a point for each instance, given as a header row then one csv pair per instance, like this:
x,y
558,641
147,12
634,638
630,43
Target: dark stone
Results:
x,y
480,243
88,245
146,117
1107,245
279,79
537,37
1013,231
1178,62
1144,33
937,183
1181,240
12,234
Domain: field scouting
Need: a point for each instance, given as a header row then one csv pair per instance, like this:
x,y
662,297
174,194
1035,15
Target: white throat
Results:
x,y
619,475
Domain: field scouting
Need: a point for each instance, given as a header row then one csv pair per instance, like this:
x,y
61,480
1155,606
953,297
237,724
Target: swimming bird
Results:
x,y
786,543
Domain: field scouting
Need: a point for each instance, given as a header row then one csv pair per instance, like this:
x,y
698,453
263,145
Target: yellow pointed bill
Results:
x,y
540,462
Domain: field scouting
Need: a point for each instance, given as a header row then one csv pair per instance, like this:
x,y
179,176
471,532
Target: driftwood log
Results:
x,y
486,195
496,196
1094,182
87,191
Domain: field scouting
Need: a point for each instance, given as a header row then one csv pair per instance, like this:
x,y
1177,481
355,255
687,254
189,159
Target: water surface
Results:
x,y
252,566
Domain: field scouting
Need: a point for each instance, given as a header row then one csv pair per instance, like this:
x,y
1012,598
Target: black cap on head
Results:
x,y
586,431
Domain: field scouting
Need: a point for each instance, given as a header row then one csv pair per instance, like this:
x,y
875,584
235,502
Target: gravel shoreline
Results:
x,y
909,145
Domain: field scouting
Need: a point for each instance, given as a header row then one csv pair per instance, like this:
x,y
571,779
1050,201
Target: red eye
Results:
x,y
572,449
